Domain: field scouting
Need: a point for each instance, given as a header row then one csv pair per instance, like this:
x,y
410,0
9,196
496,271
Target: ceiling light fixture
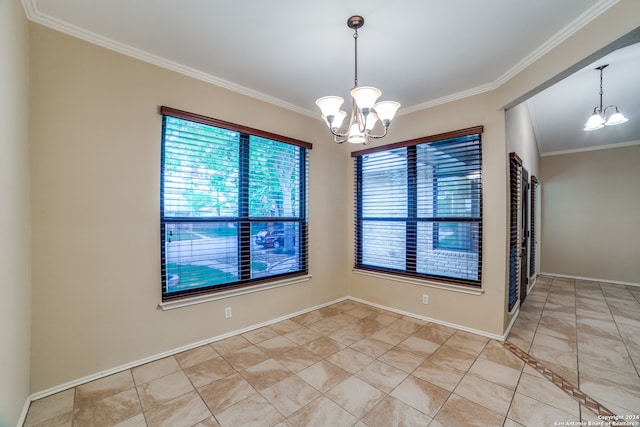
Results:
x,y
599,119
365,113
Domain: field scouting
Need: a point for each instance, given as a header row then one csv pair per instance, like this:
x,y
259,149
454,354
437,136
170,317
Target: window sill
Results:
x,y
185,302
423,282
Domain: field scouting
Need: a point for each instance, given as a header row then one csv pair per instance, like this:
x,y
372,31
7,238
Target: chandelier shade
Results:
x,y
365,112
598,118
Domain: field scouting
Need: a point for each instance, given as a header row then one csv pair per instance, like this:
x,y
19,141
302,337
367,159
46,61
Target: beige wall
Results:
x,y
15,303
95,157
480,312
591,214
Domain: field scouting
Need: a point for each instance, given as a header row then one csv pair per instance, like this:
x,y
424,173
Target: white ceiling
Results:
x,y
418,52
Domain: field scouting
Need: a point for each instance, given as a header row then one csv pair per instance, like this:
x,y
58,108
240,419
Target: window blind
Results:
x,y
233,206
515,227
419,207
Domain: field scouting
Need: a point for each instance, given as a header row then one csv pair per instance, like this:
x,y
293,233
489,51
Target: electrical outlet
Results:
x,y
425,299
227,312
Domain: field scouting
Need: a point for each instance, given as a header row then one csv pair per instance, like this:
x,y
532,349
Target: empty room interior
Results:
x,y
193,235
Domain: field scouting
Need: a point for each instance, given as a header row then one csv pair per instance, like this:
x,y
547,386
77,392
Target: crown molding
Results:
x,y
594,148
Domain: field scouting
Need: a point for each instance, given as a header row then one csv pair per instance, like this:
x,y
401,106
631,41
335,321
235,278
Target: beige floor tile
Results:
x,y
497,353
137,421
433,332
419,346
422,395
302,336
510,423
104,387
382,376
186,410
467,342
107,411
361,312
385,317
496,373
330,310
324,346
197,355
297,359
285,326
253,411
541,389
369,325
531,412
225,392
355,395
258,335
289,395
348,335
160,390
408,325
557,328
208,422
208,371
323,376
231,344
371,347
321,413
59,405
154,370
329,325
402,358
485,393
265,374
453,358
389,335
625,396
276,345
442,376
350,360
393,412
245,357
307,319
458,411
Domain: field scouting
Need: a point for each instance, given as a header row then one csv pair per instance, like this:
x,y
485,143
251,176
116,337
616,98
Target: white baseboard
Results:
x,y
23,414
428,319
591,279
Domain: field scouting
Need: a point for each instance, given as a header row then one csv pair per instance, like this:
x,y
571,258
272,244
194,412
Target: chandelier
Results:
x,y
599,117
365,112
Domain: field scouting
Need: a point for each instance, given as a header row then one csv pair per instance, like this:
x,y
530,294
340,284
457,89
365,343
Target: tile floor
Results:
x,y
351,364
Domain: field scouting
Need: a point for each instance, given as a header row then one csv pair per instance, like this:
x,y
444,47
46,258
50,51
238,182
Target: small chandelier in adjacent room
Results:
x,y
599,117
365,112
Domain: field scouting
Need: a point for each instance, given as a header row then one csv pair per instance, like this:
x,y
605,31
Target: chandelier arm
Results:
x,y
604,111
370,135
337,134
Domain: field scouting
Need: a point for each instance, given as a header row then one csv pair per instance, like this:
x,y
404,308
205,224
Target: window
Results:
x,y
534,207
515,228
418,207
233,205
